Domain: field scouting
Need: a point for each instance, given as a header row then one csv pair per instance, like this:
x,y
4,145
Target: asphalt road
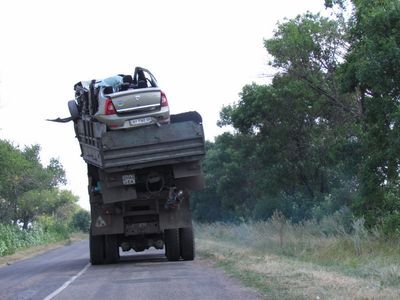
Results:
x,y
65,273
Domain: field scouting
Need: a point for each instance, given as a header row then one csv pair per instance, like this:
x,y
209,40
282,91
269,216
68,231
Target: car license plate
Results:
x,y
128,179
140,121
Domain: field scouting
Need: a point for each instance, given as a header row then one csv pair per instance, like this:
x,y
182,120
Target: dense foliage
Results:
x,y
33,207
324,135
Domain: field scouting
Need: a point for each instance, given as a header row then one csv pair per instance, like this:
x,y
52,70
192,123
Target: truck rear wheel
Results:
x,y
111,249
186,241
172,249
96,249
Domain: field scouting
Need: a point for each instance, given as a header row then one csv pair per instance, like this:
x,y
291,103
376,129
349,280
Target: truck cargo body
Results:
x,y
139,185
142,147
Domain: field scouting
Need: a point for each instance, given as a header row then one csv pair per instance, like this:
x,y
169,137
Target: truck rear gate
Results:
x,y
143,147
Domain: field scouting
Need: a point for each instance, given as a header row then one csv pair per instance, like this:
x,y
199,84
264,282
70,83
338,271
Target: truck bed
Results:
x,y
140,147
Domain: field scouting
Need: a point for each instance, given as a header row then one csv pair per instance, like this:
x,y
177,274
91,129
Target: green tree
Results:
x,y
324,133
229,192
27,188
81,220
372,71
305,129
60,204
13,166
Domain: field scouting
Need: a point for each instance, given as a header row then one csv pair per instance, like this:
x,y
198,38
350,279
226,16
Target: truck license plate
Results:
x,y
140,121
128,179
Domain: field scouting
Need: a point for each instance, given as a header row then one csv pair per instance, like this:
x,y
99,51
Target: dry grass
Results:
x,y
309,264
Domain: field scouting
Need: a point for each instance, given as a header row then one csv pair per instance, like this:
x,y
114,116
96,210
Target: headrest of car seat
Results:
x,y
142,83
127,79
108,90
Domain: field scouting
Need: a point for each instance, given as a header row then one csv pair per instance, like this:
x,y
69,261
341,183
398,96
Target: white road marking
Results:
x,y
67,283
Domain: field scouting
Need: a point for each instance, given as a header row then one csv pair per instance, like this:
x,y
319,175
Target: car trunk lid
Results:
x,y
135,100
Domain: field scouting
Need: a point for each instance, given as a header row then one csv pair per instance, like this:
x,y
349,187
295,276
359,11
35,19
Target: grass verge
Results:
x,y
303,262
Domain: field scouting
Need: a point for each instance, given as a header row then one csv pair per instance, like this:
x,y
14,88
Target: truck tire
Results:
x,y
186,241
172,249
96,249
111,249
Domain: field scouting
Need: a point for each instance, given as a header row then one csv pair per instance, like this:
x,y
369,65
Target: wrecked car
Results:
x,y
122,101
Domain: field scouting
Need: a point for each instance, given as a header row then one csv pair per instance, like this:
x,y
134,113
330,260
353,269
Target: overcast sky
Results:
x,y
201,52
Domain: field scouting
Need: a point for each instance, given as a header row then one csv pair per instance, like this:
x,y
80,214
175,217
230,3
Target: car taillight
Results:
x,y
110,109
164,101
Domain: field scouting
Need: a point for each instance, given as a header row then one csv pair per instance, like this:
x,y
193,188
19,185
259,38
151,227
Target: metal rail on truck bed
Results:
x,y
140,147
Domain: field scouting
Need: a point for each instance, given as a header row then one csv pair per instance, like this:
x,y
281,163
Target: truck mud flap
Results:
x,y
175,218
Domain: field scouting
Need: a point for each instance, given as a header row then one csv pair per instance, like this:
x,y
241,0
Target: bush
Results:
x,y
81,221
391,224
46,230
9,239
53,229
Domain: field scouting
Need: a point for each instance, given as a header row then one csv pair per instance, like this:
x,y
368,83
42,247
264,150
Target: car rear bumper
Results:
x,y
124,121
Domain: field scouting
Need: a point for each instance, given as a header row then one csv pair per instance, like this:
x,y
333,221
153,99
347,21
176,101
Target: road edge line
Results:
x,y
67,283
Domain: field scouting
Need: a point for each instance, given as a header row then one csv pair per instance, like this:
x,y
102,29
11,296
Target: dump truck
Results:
x,y
139,184
139,178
